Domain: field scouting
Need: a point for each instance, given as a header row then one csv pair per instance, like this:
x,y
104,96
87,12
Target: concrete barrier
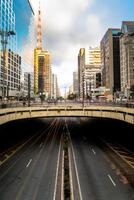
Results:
x,y
119,113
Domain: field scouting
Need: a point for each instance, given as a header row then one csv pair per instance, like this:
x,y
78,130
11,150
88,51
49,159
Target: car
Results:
x,y
124,100
121,100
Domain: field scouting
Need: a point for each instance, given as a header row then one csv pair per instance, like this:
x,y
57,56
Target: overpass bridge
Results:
x,y
104,111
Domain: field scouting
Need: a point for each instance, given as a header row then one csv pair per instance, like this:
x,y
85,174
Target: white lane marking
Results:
x,y
76,170
112,180
29,163
93,151
62,178
56,175
41,144
14,151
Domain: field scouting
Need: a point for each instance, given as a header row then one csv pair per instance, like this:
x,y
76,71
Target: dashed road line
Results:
x,y
56,176
93,151
112,181
41,144
76,170
29,163
123,153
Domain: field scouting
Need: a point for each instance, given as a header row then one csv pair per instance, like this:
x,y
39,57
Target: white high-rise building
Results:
x,y
81,65
54,85
75,83
89,70
24,84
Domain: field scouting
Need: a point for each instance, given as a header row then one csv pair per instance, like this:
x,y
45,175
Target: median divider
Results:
x,y
67,185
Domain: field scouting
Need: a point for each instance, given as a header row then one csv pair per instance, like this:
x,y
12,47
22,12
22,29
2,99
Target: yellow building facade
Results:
x,y
93,56
36,69
42,72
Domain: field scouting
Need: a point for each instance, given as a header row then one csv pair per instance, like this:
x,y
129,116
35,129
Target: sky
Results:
x,y
23,14
67,26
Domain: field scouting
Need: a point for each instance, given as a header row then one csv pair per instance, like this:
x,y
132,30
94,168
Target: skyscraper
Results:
x,y
81,64
75,82
110,58
10,61
89,65
93,56
44,76
7,21
127,56
25,83
55,89
42,67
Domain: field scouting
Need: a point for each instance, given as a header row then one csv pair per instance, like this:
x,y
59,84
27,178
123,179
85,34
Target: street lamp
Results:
x,y
4,42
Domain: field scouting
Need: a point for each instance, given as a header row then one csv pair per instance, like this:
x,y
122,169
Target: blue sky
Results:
x,y
116,10
113,12
69,25
23,14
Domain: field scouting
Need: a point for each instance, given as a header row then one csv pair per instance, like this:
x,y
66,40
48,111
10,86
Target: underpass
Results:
x,y
35,170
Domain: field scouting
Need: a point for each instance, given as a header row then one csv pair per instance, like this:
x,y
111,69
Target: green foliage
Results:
x,y
72,96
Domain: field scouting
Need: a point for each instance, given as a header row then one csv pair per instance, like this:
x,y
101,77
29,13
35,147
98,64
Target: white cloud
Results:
x,y
27,50
67,26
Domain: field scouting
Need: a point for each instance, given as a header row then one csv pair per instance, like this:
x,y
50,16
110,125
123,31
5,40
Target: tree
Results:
x,y
72,96
42,97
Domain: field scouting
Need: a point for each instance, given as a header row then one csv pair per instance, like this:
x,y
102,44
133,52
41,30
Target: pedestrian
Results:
x,y
24,103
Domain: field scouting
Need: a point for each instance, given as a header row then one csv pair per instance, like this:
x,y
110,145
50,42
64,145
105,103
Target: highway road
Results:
x,y
96,178
30,174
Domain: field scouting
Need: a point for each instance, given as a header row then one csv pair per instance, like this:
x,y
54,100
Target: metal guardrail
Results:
x,y
85,104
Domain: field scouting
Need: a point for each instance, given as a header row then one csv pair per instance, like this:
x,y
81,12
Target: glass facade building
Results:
x,y
10,66
7,21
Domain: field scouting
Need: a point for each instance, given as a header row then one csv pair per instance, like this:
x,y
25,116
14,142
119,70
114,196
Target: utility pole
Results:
x,y
4,42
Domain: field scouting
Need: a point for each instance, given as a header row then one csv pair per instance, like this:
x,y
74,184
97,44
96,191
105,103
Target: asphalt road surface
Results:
x,y
30,174
96,177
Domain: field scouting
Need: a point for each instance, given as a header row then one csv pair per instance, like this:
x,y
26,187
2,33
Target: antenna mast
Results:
x,y
39,29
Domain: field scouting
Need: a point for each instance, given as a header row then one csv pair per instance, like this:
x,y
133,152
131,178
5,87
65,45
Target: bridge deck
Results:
x,y
120,113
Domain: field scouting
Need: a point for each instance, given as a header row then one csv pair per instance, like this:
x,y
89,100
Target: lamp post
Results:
x,y
4,42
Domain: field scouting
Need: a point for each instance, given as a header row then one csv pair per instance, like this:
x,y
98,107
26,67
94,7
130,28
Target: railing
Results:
x,y
102,110
85,104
